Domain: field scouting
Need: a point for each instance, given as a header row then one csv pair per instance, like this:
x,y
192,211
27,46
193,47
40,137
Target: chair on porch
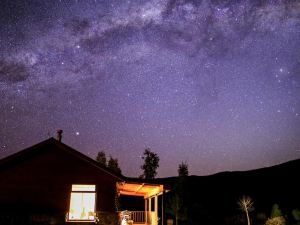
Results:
x,y
126,218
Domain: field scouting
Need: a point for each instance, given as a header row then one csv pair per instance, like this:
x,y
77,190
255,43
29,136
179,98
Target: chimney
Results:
x,y
59,135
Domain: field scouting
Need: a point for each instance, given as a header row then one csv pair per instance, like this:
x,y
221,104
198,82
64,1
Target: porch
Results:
x,y
141,217
152,212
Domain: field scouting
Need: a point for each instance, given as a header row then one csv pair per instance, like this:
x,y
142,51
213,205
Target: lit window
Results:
x,y
82,203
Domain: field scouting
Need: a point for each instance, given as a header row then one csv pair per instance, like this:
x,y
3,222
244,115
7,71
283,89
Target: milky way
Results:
x,y
213,83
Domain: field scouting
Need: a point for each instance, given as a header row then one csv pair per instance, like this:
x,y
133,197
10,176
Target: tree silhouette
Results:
x,y
113,164
246,204
176,208
183,169
177,200
150,165
101,158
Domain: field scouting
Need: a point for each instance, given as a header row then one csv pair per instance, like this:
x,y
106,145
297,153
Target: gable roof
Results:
x,y
53,143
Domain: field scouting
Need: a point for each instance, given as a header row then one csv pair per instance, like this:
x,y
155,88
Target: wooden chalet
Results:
x,y
51,180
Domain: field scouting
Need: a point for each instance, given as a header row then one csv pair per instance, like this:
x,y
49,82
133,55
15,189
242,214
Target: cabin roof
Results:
x,y
52,143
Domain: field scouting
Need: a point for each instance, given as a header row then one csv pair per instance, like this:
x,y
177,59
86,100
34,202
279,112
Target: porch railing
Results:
x,y
138,216
142,217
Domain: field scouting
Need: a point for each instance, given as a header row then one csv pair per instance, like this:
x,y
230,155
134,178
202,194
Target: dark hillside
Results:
x,y
213,199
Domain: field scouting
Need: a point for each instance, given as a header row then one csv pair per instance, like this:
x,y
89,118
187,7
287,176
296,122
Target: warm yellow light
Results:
x,y
83,187
82,202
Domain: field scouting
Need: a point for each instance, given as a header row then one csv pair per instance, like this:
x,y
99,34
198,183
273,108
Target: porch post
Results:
x,y
162,208
156,209
146,210
150,210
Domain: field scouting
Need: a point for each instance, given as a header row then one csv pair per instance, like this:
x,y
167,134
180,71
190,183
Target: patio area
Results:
x,y
150,192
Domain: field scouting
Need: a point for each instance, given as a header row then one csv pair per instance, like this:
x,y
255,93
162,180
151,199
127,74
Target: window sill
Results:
x,y
80,221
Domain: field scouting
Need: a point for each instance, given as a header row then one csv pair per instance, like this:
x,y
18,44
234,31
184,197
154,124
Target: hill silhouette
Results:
x,y
213,199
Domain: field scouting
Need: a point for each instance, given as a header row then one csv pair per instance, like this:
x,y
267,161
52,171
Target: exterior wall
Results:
x,y
41,182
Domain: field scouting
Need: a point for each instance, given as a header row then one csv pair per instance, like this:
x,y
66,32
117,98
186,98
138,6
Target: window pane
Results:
x,y
83,187
82,206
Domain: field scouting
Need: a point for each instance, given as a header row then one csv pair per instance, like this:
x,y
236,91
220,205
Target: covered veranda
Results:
x,y
149,215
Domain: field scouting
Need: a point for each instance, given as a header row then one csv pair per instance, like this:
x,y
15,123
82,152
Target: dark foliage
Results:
x,y
101,158
113,165
150,165
213,199
183,169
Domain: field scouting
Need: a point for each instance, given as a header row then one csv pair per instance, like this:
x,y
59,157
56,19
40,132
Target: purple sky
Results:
x,y
213,83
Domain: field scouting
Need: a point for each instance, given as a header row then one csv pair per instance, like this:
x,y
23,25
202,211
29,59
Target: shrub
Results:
x,y
106,218
279,220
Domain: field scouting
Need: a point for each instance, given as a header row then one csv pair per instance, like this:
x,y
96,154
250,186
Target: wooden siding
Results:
x,y
41,181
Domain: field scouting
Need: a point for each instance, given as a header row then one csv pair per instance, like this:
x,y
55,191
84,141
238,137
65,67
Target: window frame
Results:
x,y
68,219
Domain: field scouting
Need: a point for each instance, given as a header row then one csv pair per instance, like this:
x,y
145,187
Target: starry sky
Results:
x,y
214,83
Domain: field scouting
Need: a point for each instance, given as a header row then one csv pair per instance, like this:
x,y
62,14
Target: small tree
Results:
x,y
101,158
113,164
183,170
177,200
150,165
276,216
246,204
296,214
276,212
176,208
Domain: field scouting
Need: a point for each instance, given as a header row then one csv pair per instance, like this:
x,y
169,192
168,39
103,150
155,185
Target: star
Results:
x,y
187,78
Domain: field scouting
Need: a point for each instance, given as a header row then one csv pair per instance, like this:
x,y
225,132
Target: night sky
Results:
x,y
213,83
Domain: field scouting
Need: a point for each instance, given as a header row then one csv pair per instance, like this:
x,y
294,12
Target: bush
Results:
x,y
296,214
106,218
279,220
